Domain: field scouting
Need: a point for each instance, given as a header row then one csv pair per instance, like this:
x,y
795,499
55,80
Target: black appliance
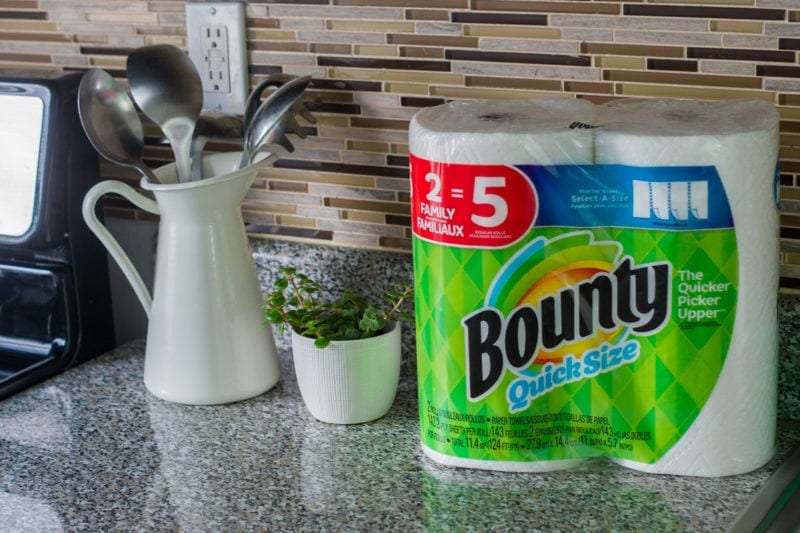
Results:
x,y
55,303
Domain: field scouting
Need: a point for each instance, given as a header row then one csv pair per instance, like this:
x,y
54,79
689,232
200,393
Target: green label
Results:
x,y
576,340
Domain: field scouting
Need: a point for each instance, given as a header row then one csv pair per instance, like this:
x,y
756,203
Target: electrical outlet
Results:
x,y
217,46
215,65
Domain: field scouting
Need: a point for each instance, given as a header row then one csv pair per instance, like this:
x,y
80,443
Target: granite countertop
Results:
x,y
92,450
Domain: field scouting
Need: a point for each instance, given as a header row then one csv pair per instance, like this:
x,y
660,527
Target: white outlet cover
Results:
x,y
220,59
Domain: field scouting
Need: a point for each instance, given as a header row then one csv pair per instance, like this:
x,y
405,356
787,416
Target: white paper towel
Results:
x,y
735,431
509,132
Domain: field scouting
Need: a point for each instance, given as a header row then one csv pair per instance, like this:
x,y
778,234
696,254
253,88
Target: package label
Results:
x,y
568,311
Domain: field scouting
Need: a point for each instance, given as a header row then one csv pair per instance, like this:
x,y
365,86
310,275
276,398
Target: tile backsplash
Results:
x,y
375,62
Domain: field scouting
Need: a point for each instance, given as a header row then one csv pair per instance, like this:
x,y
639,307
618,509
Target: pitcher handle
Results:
x,y
111,244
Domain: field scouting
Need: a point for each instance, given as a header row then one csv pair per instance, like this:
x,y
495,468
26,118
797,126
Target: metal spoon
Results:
x,y
111,121
168,89
273,118
212,125
274,80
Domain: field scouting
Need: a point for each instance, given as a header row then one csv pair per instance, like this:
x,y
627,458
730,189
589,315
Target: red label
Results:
x,y
478,206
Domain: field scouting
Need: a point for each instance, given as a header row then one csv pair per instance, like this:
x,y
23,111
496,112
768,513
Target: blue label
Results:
x,y
679,198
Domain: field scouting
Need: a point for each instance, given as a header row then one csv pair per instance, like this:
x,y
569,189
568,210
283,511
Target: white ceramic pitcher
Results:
x,y
205,339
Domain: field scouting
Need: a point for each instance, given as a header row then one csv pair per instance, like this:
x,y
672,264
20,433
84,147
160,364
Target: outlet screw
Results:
x,y
212,10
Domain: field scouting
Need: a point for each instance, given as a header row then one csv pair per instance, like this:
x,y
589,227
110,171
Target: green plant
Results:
x,y
296,302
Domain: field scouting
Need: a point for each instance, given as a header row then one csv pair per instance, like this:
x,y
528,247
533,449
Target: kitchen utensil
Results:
x,y
273,80
168,89
273,118
212,125
111,121
254,98
205,340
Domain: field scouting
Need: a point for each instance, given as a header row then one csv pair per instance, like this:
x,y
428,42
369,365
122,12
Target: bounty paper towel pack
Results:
x,y
596,282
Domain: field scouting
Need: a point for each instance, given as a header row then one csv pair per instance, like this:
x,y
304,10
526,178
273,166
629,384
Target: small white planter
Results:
x,y
348,382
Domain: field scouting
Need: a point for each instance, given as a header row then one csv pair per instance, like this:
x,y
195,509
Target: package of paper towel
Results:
x,y
596,281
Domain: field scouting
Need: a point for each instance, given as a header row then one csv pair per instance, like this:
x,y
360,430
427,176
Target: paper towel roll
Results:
x,y
509,132
536,132
735,430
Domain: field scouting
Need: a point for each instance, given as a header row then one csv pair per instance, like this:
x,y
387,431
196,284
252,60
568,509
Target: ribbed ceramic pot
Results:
x,y
348,382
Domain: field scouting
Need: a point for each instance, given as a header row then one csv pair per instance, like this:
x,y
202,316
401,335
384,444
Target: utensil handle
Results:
x,y
246,158
196,157
108,240
181,147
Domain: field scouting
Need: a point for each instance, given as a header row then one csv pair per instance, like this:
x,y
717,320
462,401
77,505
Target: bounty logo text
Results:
x,y
569,330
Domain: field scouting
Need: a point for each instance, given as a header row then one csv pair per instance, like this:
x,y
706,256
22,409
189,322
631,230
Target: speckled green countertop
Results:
x,y
92,450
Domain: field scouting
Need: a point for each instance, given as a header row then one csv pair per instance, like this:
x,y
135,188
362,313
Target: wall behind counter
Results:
x,y
376,62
